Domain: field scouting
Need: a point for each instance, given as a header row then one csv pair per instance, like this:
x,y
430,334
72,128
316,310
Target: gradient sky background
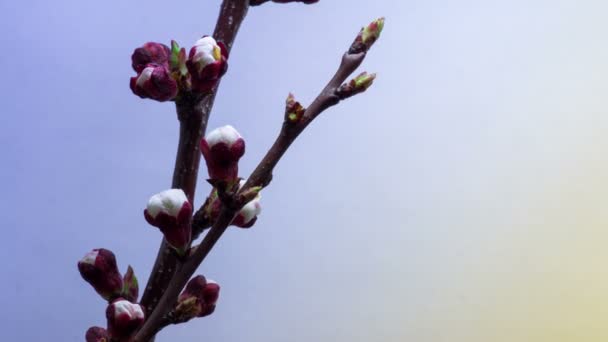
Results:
x,y
462,198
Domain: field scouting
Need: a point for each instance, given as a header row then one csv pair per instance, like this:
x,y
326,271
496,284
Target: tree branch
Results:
x,y
260,176
193,113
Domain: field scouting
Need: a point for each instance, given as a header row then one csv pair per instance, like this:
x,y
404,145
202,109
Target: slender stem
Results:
x,y
260,175
289,132
193,113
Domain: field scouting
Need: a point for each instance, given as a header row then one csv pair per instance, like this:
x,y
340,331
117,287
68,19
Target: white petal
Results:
x,y
169,201
126,307
90,257
204,48
251,210
144,76
226,134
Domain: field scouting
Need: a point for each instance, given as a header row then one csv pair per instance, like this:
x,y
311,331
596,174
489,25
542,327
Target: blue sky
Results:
x,y
462,198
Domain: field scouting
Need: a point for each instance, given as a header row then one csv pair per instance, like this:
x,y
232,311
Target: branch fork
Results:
x,y
161,303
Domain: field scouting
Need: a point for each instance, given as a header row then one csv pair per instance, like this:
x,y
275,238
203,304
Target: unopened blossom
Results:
x,y
124,318
171,212
98,268
97,334
207,63
154,82
248,214
150,53
198,298
222,148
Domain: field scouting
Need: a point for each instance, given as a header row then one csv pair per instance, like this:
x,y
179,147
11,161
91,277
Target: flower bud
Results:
x,y
124,318
207,63
248,214
197,300
293,109
98,268
154,82
150,53
355,86
222,148
246,217
97,334
170,211
367,36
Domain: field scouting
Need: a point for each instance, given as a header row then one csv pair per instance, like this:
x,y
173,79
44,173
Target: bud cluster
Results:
x,y
124,315
197,300
153,80
245,217
163,72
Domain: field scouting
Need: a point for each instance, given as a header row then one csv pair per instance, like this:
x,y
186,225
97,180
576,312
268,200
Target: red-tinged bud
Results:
x,y
367,36
150,53
130,289
171,212
197,300
222,148
293,109
248,214
124,318
154,82
355,86
98,268
207,63
97,334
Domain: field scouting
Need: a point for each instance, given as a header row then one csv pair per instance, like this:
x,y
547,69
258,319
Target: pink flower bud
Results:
x,y
98,268
171,212
154,82
198,299
97,334
155,53
207,63
222,148
248,214
124,318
